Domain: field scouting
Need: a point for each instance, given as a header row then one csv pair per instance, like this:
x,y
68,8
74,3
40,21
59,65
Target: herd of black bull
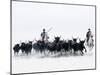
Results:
x,y
53,47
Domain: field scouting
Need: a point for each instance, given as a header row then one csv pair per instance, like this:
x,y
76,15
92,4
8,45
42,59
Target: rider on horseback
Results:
x,y
44,36
89,34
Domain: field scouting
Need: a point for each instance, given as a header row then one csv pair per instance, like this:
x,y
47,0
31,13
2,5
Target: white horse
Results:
x,y
90,42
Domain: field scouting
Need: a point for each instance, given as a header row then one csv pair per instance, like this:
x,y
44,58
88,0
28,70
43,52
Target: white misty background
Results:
x,y
28,20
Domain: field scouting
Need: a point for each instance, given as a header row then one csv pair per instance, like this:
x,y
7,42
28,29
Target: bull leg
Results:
x,y
82,52
30,52
22,51
17,53
27,53
71,51
74,52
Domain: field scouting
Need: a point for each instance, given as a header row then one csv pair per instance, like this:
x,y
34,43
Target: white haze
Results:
x,y
28,20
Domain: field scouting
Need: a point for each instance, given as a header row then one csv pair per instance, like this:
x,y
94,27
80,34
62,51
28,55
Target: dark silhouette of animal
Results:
x,y
16,48
23,47
55,46
67,46
81,46
78,46
28,48
51,46
40,46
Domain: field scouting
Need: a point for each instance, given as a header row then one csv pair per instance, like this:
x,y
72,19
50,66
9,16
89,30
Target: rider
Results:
x,y
88,34
44,36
